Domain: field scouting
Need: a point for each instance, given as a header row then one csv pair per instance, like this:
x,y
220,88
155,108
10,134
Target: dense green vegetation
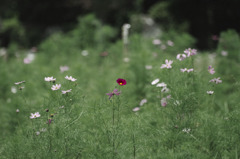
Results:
x,y
180,120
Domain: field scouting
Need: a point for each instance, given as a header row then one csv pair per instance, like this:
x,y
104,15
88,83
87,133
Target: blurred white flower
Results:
x,y
84,52
125,29
143,101
64,68
170,43
224,53
155,81
50,79
56,87
13,89
35,115
67,91
156,42
161,84
136,109
148,67
126,59
17,111
210,92
70,78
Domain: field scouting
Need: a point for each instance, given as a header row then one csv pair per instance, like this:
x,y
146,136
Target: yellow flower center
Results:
x,y
120,83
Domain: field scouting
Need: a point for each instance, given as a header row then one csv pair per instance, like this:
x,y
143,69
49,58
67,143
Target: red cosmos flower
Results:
x,y
121,82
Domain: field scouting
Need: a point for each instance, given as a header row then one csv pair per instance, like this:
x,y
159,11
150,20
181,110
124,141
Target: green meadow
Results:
x,y
186,107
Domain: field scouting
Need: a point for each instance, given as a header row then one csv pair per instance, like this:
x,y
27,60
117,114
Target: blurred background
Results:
x,y
25,23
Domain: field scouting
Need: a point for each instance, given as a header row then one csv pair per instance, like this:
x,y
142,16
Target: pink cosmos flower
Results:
x,y
186,70
190,52
224,53
50,79
143,101
18,83
56,87
63,68
170,43
114,92
163,102
156,42
216,80
168,64
211,69
181,57
70,78
35,115
136,109
121,82
67,91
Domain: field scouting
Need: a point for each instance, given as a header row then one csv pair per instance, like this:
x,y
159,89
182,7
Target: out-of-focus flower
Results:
x,y
224,53
70,78
211,69
67,91
125,29
143,101
18,83
136,109
168,64
210,92
181,57
165,90
155,81
17,110
13,89
114,92
35,115
170,43
148,67
56,87
50,79
216,80
121,81
43,130
161,84
63,68
163,102
84,52
190,52
3,52
29,59
37,133
186,130
156,42
186,70
126,59
163,47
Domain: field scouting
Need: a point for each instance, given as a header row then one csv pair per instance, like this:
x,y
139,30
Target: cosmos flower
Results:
x,y
148,67
121,81
35,115
163,102
170,43
211,69
155,81
210,92
136,109
17,111
161,84
216,80
70,78
224,53
114,92
56,87
84,52
156,42
50,79
181,57
167,64
67,91
63,68
143,101
13,89
165,90
186,130
190,52
186,70
18,83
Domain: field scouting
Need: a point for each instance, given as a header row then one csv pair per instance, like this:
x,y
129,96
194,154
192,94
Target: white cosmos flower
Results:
x,y
161,84
56,87
210,92
155,81
35,115
143,101
67,91
50,79
70,78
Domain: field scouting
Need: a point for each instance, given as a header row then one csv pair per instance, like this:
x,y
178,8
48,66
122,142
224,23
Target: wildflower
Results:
x,y
3,52
136,109
190,52
29,59
143,101
125,29
121,82
163,102
35,115
186,70
67,91
126,59
155,81
43,130
211,69
21,88
224,53
168,64
18,83
161,84
114,92
210,92
63,68
169,96
70,78
186,130
61,107
165,90
170,43
148,67
156,42
50,79
181,57
56,87
84,52
17,110
37,133
216,80
13,89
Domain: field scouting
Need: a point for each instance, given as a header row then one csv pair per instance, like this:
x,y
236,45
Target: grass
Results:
x,y
92,126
